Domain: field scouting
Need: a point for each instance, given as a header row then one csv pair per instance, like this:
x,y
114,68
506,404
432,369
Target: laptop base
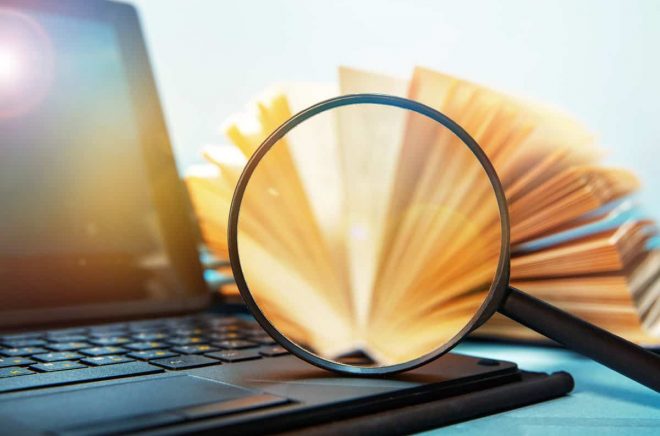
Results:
x,y
232,377
429,404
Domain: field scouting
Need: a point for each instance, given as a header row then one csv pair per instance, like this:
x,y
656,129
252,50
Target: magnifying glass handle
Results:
x,y
602,346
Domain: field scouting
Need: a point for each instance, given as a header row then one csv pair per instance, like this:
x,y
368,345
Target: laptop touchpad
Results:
x,y
134,405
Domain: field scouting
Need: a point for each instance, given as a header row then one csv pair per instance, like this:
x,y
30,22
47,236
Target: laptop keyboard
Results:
x,y
58,357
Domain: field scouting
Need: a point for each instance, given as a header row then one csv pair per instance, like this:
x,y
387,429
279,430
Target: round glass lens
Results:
x,y
369,235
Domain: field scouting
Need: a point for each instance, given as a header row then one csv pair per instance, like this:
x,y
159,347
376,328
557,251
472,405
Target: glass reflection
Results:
x,y
369,235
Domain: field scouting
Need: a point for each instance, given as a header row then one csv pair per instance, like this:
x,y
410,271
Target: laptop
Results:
x,y
106,322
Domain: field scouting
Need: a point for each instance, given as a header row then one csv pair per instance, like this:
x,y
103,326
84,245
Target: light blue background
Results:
x,y
598,60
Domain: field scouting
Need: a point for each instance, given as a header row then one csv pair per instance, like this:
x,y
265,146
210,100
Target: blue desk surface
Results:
x,y
602,403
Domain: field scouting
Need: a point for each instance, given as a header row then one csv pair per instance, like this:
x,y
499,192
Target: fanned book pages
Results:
x,y
578,238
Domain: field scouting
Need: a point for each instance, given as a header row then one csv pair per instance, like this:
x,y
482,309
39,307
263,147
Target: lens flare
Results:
x,y
10,67
26,63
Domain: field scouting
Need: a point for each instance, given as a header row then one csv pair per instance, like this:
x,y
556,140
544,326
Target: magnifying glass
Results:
x,y
369,234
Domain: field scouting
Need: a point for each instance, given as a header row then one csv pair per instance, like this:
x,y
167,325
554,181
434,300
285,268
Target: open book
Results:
x,y
578,238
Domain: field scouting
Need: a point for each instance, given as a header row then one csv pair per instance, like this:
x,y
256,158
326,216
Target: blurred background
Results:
x,y
596,60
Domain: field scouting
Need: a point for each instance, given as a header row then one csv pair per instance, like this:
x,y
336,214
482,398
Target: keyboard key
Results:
x,y
57,366
185,362
235,345
235,355
13,371
103,333
106,360
69,338
105,328
227,328
21,352
103,351
186,332
227,336
151,354
149,336
15,361
273,351
20,343
222,321
66,332
194,349
20,336
77,376
262,339
142,346
254,329
146,325
180,322
187,340
110,340
57,356
68,346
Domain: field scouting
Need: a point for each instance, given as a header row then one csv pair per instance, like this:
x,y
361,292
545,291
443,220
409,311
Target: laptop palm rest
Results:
x,y
131,405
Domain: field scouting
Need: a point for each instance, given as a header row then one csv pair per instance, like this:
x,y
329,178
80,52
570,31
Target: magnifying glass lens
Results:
x,y
368,235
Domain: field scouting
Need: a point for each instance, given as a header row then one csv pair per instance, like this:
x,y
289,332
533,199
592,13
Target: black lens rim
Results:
x,y
497,292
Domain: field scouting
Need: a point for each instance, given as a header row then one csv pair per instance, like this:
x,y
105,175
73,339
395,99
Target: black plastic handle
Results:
x,y
602,346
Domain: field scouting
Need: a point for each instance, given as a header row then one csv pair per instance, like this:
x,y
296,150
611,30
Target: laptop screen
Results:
x,y
80,221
